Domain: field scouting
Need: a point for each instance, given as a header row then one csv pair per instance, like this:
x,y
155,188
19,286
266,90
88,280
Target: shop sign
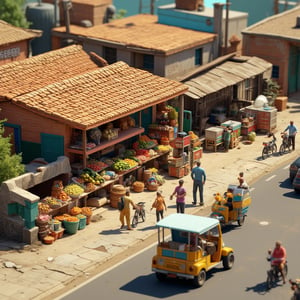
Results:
x,y
8,53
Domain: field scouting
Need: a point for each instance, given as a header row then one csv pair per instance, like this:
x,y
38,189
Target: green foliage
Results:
x,y
120,14
12,12
10,165
271,89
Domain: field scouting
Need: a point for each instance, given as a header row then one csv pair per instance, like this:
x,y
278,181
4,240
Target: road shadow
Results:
x,y
292,194
150,286
286,184
259,288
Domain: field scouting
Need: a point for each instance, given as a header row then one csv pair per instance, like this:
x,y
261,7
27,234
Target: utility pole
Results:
x,y
226,24
152,7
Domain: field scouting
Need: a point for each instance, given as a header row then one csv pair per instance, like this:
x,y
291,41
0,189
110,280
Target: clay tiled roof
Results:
x,y
27,75
100,96
11,34
281,25
143,31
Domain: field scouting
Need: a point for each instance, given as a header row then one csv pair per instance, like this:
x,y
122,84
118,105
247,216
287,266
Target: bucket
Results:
x,y
43,234
82,221
71,227
116,192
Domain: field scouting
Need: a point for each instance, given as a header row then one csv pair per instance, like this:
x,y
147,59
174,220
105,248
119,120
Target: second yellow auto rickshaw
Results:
x,y
233,206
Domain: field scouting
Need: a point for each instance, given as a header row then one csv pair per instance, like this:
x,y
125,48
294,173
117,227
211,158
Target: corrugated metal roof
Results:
x,y
11,34
100,96
226,74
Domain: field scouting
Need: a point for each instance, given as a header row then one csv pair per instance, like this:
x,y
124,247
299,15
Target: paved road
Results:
x,y
273,215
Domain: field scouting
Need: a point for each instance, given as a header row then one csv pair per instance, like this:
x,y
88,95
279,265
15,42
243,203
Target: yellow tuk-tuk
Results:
x,y
189,246
236,210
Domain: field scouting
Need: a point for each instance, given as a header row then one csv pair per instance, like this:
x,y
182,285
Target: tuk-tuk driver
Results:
x,y
229,198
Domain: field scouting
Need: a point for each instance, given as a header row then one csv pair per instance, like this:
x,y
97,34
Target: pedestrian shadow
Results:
x,y
259,288
111,231
147,228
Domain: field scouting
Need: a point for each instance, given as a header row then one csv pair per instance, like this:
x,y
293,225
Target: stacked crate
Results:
x,y
179,163
266,117
196,151
213,138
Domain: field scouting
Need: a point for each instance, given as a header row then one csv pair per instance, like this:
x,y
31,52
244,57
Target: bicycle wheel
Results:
x,y
135,219
265,153
143,215
269,281
282,149
274,148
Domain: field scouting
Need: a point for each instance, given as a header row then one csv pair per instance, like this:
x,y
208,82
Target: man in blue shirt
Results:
x,y
292,133
199,177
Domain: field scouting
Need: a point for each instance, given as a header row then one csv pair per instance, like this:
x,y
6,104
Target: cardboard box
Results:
x,y
280,103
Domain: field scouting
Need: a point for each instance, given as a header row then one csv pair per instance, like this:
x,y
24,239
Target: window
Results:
x,y
198,57
110,54
148,62
275,72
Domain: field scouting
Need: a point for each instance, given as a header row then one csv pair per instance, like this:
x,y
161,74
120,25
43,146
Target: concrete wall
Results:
x,y
14,191
13,52
276,51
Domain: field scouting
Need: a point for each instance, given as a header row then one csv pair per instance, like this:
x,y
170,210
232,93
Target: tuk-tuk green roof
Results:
x,y
190,223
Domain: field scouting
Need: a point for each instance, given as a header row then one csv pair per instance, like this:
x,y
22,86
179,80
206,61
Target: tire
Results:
x,y
199,280
241,221
143,215
269,281
282,149
228,261
274,148
265,153
285,270
135,220
161,276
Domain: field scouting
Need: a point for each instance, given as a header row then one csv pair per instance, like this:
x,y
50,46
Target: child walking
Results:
x,y
160,205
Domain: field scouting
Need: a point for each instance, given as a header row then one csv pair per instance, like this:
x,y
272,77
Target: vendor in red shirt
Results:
x,y
278,258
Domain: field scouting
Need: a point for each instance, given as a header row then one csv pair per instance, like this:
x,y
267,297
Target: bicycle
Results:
x,y
285,146
273,275
139,213
269,147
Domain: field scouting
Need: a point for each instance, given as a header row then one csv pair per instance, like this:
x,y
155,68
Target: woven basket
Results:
x,y
138,186
152,187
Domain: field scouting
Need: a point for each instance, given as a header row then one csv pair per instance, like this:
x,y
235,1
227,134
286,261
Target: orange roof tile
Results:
x,y
11,34
143,31
27,75
100,96
281,25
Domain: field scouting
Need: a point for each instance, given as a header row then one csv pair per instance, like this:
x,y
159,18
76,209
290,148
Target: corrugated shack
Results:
x,y
238,80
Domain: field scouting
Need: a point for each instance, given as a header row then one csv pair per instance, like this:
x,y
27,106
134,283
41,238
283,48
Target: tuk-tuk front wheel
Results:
x,y
241,221
199,280
228,261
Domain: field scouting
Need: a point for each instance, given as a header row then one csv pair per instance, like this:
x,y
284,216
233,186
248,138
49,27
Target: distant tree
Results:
x,y
12,12
10,164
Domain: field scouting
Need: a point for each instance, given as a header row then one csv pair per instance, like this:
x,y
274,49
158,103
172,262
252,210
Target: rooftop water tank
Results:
x,y
42,17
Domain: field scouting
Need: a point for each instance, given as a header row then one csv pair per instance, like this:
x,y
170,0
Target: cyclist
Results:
x,y
292,133
278,258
